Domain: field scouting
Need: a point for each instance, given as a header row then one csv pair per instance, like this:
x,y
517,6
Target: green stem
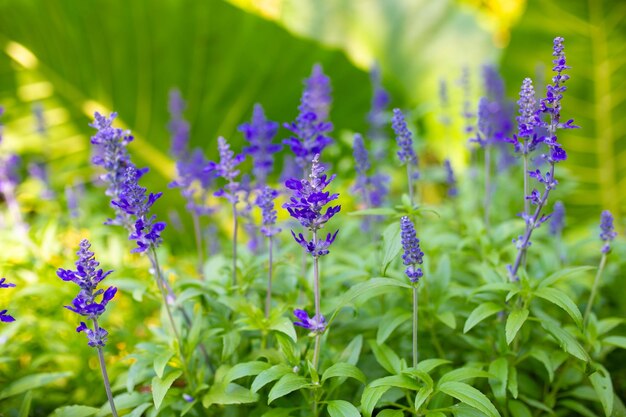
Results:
x,y
487,199
409,175
594,290
198,236
105,375
317,297
234,244
415,353
268,296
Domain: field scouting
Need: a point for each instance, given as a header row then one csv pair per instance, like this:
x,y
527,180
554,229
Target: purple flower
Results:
x,y
40,121
4,316
87,276
607,231
265,201
315,248
227,169
195,181
316,324
404,138
311,125
373,188
376,117
260,132
527,103
557,221
468,116
178,127
309,198
413,254
450,179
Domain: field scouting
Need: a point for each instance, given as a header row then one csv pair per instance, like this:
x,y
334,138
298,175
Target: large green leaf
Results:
x,y
595,42
340,408
470,396
31,382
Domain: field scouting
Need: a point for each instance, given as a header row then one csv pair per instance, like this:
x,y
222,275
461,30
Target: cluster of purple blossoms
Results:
x,y
87,276
450,179
467,114
260,132
377,117
227,169
404,139
129,199
309,198
4,316
316,324
607,231
557,219
311,126
265,201
178,126
374,187
413,254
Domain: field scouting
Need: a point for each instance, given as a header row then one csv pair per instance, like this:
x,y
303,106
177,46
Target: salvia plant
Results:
x,y
430,311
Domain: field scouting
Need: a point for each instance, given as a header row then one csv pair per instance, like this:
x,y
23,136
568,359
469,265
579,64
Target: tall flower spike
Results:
x,y
265,201
178,127
260,132
450,179
5,317
404,138
377,117
607,231
557,220
373,188
527,108
311,126
413,255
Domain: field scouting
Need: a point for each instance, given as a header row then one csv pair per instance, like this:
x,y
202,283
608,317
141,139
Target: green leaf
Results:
x,y
288,347
368,289
31,382
389,322
543,357
562,273
422,396
386,357
340,408
398,381
495,287
601,382
160,386
567,342
124,401
427,365
245,369
390,413
512,384
278,412
343,370
392,245
160,362
578,408
269,375
139,410
423,376
470,396
284,325
25,406
619,341
231,341
461,374
499,368
370,398
285,385
352,352
447,318
227,394
608,324
480,313
562,300
74,411
519,409
514,323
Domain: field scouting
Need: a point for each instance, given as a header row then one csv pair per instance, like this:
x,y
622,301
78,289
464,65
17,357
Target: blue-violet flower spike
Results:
x,y
315,324
413,254
607,231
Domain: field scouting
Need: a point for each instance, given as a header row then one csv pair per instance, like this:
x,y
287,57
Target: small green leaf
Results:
x,y
562,300
389,322
447,318
422,396
284,325
74,411
567,342
226,394
124,401
30,382
578,408
160,362
278,412
461,374
352,352
285,385
269,375
370,398
427,365
386,357
398,381
514,323
562,273
543,357
608,324
245,369
619,341
139,410
480,313
601,382
392,245
161,386
25,406
344,370
231,341
423,376
499,368
494,287
513,387
288,347
340,408
470,396
519,409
